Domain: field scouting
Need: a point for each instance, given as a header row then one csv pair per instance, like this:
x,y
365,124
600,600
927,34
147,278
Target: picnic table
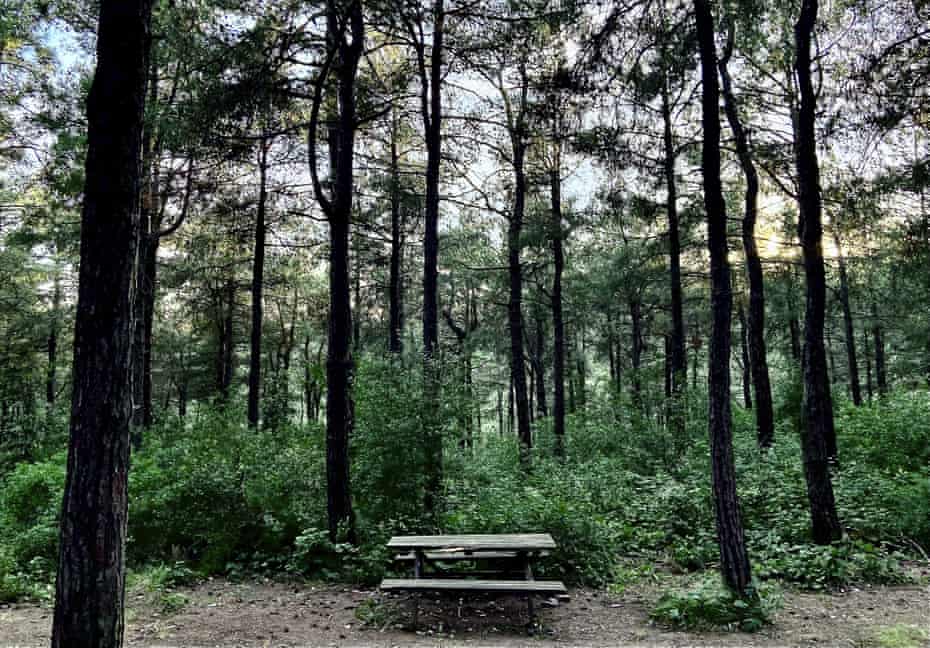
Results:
x,y
507,555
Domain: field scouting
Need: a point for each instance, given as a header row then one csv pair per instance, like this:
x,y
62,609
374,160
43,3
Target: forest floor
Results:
x,y
223,613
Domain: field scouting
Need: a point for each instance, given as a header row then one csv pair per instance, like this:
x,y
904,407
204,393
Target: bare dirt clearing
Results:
x,y
222,613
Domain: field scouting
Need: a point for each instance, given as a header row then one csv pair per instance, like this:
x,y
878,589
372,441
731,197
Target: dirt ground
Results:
x,y
222,613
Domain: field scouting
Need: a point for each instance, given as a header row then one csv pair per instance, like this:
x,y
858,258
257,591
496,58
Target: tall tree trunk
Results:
x,y
517,129
734,559
258,280
395,329
345,50
89,591
868,368
558,322
795,330
539,368
667,368
610,350
339,370
878,341
848,328
581,370
227,343
431,109
469,398
818,436
676,356
149,271
356,295
636,350
515,304
747,380
510,407
51,373
500,412
755,328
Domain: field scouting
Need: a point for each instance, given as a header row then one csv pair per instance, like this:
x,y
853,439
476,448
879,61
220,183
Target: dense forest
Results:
x,y
282,279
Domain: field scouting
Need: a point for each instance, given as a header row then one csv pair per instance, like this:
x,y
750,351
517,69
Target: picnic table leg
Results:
x,y
418,558
528,574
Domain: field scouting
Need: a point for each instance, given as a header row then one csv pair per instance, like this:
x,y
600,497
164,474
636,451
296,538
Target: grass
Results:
x,y
901,635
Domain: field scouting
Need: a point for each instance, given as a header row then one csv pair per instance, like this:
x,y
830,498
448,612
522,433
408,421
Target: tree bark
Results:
x,y
344,53
818,435
89,592
855,388
747,380
676,356
51,375
755,327
431,112
395,297
517,130
636,351
868,368
515,304
539,368
878,341
226,346
734,559
795,330
258,280
558,322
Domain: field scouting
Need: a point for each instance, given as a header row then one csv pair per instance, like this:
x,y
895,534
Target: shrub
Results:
x,y
30,503
823,567
709,604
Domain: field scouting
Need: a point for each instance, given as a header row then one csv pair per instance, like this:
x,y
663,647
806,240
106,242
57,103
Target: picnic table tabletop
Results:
x,y
475,542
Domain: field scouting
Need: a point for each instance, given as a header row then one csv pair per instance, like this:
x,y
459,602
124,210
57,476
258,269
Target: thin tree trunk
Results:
x,y
395,332
848,328
558,322
878,341
258,280
90,586
500,412
356,296
51,374
517,128
818,436
227,343
636,351
540,369
754,335
795,330
676,349
747,380
734,559
667,357
431,109
868,368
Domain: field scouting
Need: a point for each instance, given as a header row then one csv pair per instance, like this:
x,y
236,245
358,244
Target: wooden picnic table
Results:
x,y
516,549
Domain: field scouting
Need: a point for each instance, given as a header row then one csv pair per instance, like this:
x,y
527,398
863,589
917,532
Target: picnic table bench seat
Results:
x,y
469,585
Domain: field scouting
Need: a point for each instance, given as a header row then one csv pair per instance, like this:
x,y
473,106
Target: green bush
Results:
x,y
709,604
30,504
824,567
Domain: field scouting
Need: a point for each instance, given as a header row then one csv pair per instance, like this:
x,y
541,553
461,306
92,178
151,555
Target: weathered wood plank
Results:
x,y
500,542
459,555
463,585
